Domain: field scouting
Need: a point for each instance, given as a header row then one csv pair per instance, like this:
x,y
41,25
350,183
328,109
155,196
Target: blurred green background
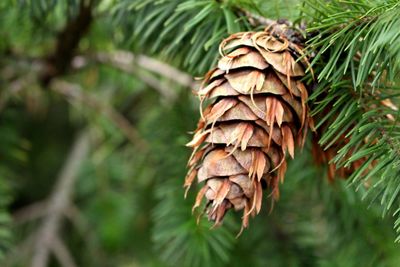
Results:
x,y
92,161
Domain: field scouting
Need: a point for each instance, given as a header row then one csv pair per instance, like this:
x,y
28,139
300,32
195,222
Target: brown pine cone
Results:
x,y
256,115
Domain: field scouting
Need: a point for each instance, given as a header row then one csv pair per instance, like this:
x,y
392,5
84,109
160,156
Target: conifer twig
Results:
x,y
125,59
59,201
128,62
257,20
62,254
30,212
67,41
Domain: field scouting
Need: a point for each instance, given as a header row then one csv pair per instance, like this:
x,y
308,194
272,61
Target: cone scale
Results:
x,y
255,116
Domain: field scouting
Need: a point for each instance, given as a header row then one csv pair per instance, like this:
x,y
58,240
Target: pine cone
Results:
x,y
256,115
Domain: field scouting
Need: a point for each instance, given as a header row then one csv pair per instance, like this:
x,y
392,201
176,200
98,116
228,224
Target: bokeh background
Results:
x,y
95,109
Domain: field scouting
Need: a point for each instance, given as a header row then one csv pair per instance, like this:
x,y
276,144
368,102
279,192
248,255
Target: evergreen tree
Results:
x,y
95,108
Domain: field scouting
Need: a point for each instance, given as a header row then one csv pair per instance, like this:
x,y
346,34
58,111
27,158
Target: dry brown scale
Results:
x,y
256,115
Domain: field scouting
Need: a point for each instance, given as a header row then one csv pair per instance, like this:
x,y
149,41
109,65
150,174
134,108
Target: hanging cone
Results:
x,y
256,116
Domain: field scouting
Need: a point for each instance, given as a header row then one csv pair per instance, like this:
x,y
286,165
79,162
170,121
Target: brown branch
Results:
x,y
67,41
59,201
31,212
256,20
135,64
62,254
280,27
128,66
125,61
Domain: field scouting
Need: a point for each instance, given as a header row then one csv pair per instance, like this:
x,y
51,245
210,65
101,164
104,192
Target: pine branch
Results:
x,y
124,60
59,201
258,20
364,130
62,254
67,41
134,64
31,212
203,23
190,30
355,40
357,61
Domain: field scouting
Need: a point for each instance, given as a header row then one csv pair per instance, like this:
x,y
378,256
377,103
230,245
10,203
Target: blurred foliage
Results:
x,y
127,208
